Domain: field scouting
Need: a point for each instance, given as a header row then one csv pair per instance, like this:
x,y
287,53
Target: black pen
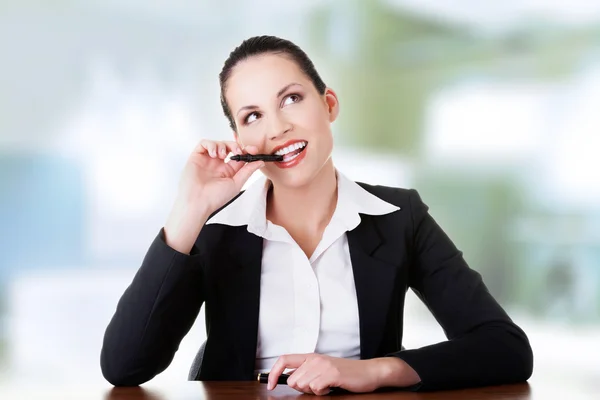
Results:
x,y
264,378
282,380
256,157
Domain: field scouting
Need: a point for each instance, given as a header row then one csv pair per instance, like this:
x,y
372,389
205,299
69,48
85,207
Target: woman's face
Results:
x,y
277,108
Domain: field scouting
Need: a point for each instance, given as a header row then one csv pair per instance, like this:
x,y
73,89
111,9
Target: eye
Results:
x,y
291,99
253,116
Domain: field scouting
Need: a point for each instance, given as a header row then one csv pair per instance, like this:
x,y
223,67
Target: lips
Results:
x,y
292,159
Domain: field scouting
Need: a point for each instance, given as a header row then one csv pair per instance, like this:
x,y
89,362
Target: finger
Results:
x,y
305,390
204,145
235,166
207,146
245,172
201,147
233,147
304,376
221,150
283,362
295,375
301,384
320,386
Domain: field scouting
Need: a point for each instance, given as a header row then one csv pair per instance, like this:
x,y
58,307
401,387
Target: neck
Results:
x,y
309,207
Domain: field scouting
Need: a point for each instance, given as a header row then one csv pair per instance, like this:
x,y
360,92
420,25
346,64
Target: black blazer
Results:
x,y
390,254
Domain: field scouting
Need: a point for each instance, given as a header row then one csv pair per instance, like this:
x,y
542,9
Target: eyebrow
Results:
x,y
281,91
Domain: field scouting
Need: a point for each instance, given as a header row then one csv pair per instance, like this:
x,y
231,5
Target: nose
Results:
x,y
278,126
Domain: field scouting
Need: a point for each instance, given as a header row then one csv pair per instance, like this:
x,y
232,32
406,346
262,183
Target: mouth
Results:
x,y
291,151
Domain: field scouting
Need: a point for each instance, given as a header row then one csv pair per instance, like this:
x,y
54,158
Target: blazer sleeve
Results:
x,y
484,346
153,315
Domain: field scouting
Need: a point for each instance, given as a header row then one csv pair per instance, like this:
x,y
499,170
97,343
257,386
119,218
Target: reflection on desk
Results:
x,y
254,390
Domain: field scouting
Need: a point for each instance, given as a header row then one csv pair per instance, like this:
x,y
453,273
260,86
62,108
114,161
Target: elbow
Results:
x,y
118,379
518,356
525,370
118,373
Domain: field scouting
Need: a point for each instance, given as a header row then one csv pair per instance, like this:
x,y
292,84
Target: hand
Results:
x,y
206,178
206,184
316,373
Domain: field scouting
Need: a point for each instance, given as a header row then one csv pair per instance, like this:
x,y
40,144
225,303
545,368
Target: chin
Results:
x,y
291,180
300,175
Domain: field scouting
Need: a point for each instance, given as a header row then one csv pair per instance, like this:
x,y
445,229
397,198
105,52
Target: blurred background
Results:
x,y
489,109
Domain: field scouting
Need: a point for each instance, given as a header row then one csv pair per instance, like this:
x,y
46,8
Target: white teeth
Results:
x,y
287,158
290,148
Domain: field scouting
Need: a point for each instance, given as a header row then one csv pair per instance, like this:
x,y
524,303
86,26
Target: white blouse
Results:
x,y
306,305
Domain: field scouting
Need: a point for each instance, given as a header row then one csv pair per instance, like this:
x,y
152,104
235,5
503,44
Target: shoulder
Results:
x,y
401,197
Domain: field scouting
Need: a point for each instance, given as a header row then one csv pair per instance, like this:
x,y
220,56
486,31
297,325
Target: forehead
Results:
x,y
259,78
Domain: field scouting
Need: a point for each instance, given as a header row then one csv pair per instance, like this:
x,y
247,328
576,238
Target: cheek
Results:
x,y
250,135
311,116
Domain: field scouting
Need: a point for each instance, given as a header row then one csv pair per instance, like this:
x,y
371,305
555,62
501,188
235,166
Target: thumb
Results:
x,y
246,172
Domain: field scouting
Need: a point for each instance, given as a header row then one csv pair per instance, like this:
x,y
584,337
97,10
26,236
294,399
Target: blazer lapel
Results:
x,y
374,263
244,291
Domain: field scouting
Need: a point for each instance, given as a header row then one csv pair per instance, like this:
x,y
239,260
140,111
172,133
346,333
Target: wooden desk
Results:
x,y
255,390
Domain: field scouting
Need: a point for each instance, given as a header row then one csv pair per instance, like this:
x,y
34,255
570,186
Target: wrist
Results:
x,y
394,372
183,225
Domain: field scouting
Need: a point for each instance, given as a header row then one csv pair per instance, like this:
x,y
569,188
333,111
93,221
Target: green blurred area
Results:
x,y
399,59
394,63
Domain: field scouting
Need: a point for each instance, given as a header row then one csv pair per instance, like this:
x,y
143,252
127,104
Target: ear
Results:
x,y
333,105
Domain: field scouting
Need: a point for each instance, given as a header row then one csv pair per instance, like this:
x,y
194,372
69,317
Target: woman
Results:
x,y
305,270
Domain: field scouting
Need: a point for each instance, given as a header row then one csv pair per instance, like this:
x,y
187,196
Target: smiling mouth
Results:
x,y
292,151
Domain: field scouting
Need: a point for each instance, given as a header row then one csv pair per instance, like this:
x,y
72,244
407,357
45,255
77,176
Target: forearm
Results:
x,y
491,355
